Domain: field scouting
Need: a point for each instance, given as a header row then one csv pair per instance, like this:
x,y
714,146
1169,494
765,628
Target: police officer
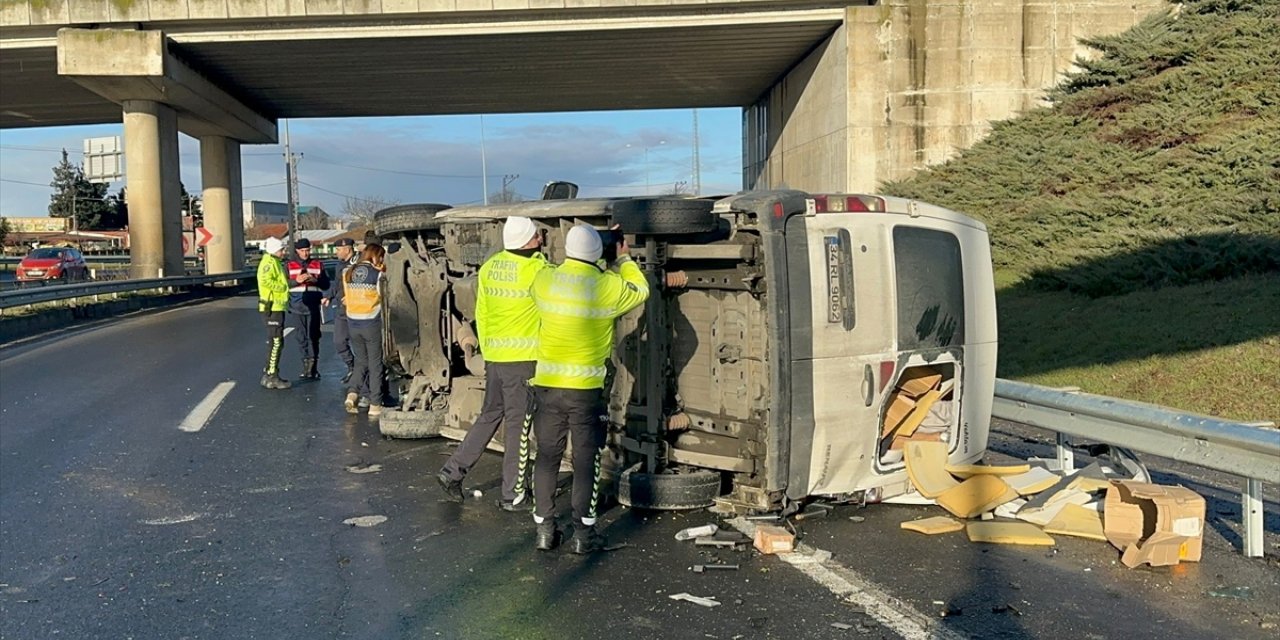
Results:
x,y
308,281
346,250
273,299
507,322
577,303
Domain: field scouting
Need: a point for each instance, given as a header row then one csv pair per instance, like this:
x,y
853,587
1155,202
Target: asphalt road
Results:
x,y
117,523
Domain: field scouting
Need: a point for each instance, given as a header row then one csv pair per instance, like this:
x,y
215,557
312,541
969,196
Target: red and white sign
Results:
x,y
203,236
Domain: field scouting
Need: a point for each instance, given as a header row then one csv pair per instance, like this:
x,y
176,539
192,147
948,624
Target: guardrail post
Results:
x,y
1251,517
1066,457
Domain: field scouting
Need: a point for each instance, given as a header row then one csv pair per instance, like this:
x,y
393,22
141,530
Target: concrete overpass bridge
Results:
x,y
837,95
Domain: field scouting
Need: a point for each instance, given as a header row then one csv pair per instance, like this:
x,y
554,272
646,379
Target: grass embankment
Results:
x,y
1136,223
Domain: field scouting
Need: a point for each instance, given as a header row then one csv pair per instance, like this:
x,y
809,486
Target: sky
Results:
x,y
429,159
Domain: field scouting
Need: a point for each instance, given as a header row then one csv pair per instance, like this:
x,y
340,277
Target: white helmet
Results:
x,y
273,245
583,242
517,232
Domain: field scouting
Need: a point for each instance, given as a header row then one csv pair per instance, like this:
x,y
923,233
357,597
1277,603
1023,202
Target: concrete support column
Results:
x,y
220,169
153,189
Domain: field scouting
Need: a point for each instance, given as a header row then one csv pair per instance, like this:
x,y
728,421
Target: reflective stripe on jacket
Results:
x,y
577,304
506,317
361,295
273,288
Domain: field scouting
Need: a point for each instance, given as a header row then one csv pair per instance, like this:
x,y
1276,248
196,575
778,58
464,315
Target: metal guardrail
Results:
x,y
1251,451
54,293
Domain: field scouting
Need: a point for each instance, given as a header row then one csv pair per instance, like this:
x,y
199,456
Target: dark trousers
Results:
x,y
366,342
275,338
507,404
342,338
305,320
559,413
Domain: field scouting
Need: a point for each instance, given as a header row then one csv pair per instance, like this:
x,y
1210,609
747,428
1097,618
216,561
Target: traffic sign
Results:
x,y
203,237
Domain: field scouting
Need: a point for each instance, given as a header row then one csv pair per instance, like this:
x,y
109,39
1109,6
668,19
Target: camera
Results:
x,y
610,238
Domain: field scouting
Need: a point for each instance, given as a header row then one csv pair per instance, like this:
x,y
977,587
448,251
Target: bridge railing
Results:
x,y
1248,450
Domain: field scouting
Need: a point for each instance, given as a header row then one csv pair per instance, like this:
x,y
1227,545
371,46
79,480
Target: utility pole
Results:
x,y
506,184
484,164
291,184
697,158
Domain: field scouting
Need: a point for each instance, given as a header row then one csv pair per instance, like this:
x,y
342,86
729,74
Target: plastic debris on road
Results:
x,y
365,521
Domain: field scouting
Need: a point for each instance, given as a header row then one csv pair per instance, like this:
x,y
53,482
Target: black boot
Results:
x,y
547,537
586,540
351,369
274,381
452,488
309,369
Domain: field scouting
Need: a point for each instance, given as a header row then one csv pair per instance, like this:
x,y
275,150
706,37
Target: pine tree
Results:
x,y
73,194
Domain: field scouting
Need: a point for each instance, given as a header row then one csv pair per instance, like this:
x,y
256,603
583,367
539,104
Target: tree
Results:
x,y
359,211
73,194
192,206
312,218
4,230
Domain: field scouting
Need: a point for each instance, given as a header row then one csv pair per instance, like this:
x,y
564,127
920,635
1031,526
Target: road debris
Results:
x,y
1154,524
706,602
841,626
364,468
365,521
933,526
774,539
1008,533
703,568
1236,593
697,532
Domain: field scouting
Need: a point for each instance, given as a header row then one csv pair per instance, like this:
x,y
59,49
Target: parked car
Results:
x,y
786,335
53,263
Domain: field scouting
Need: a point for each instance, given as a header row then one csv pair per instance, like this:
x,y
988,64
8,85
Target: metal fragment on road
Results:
x,y
706,602
364,468
365,521
841,626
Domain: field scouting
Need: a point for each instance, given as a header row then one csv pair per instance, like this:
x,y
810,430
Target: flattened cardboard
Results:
x,y
900,406
933,526
1033,481
976,495
1078,521
1136,514
970,470
1045,513
919,413
916,381
1008,533
1160,550
926,466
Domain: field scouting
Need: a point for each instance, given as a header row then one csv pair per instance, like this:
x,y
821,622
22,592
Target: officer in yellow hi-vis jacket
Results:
x,y
578,302
273,300
507,323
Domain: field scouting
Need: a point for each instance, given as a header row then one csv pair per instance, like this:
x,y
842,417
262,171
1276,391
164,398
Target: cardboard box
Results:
x,y
774,539
900,406
918,381
1154,524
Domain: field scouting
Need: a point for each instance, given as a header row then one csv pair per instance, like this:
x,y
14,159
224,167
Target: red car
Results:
x,y
53,263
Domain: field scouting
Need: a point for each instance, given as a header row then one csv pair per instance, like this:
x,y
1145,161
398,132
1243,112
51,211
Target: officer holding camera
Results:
x,y
578,302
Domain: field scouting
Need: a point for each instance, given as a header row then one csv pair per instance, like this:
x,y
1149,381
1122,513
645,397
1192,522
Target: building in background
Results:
x,y
260,212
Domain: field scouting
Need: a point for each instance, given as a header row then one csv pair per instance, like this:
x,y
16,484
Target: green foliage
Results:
x,y
73,194
1158,163
4,230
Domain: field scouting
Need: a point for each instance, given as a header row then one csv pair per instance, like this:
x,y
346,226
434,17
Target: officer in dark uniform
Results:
x,y
307,284
346,250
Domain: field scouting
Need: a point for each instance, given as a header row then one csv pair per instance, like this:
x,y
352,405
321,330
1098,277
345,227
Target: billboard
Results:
x,y
39,225
103,159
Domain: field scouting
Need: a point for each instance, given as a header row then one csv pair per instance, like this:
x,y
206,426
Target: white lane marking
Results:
x,y
175,520
200,415
288,330
891,612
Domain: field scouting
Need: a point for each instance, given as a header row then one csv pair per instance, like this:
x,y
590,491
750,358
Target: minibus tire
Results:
x,y
407,217
668,491
661,216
